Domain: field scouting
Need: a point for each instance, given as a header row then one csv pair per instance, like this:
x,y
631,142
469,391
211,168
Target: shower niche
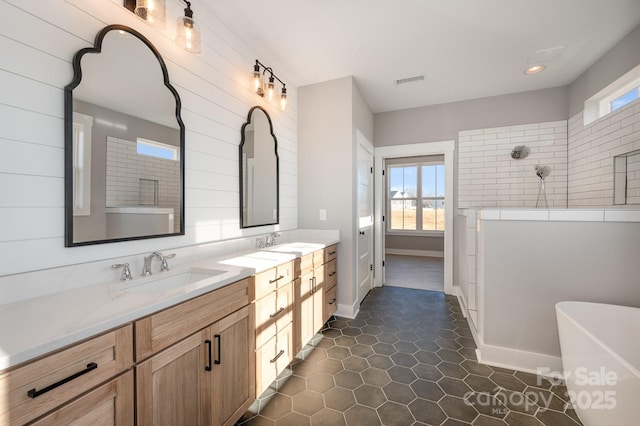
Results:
x,y
626,181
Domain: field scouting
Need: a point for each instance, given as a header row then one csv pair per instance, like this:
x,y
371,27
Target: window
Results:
x,y
82,130
621,92
157,149
416,197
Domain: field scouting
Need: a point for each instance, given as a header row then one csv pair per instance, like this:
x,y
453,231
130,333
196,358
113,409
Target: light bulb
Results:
x,y
188,33
152,11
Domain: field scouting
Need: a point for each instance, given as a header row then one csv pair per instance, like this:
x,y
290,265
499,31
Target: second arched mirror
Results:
x,y
259,171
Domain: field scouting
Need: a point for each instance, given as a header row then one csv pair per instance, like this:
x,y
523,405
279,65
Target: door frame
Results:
x,y
446,148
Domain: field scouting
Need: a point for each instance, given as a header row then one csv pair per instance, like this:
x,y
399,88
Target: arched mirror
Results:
x,y
124,143
259,171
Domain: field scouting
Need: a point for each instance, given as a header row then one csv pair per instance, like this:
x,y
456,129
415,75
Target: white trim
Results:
x,y
515,359
348,311
429,234
407,252
431,148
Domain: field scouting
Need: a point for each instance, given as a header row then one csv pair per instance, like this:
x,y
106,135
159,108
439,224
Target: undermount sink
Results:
x,y
302,248
171,280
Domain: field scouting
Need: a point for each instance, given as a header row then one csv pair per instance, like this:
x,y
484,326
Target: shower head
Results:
x,y
542,171
520,152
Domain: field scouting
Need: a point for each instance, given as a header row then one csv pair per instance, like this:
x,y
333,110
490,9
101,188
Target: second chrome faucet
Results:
x,y
164,265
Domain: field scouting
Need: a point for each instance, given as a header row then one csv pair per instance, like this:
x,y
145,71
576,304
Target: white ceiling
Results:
x,y
466,48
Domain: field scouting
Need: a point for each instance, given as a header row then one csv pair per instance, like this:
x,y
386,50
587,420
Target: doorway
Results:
x,y
382,154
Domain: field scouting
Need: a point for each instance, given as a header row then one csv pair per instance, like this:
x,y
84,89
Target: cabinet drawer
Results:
x,y
272,358
273,313
329,253
331,302
267,281
306,263
331,271
111,403
30,391
162,329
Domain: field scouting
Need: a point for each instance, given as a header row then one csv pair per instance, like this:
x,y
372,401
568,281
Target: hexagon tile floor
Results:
x,y
407,359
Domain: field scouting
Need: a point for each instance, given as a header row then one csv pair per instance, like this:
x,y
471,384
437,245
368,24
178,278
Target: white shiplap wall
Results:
x,y
489,177
38,39
591,152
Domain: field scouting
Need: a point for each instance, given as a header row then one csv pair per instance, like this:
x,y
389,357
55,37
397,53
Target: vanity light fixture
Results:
x,y
259,84
534,69
188,31
152,11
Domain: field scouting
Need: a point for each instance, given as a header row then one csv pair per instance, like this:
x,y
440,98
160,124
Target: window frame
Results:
x,y
599,105
418,200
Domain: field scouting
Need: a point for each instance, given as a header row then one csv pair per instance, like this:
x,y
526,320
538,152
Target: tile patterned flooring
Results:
x,y
407,359
419,272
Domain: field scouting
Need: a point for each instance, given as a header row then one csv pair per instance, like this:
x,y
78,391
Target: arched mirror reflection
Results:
x,y
124,143
259,173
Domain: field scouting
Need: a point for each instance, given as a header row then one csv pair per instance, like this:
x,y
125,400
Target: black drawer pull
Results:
x,y
277,279
332,302
208,343
277,356
332,273
276,313
34,393
331,253
219,339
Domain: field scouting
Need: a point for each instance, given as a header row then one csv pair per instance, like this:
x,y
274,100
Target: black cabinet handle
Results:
x,y
332,273
208,366
332,302
331,253
36,393
277,279
276,313
219,339
277,356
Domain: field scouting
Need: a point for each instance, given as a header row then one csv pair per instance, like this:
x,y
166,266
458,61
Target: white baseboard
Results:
x,y
407,252
461,301
347,311
515,359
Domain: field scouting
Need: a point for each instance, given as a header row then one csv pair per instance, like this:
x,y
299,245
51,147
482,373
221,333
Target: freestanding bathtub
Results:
x,y
600,347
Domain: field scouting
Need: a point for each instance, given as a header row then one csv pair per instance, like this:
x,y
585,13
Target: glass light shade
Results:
x,y
188,34
283,99
152,11
271,87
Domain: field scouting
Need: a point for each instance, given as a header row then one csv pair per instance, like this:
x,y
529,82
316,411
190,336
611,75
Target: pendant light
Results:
x,y
152,11
188,31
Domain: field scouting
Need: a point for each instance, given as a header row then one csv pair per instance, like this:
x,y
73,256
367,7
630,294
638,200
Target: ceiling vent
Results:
x,y
409,80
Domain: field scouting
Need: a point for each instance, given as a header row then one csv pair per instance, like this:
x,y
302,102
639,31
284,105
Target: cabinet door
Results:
x,y
173,386
318,299
232,378
109,404
305,309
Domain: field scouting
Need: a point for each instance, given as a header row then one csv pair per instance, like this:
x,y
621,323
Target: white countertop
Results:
x,y
39,325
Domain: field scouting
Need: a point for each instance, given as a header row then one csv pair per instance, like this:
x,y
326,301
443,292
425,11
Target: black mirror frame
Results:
x,y
275,143
68,137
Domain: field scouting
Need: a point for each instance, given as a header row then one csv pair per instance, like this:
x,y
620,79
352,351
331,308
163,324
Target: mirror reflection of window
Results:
x,y
82,125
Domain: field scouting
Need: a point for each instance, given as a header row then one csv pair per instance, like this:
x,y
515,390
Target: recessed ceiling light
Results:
x,y
534,69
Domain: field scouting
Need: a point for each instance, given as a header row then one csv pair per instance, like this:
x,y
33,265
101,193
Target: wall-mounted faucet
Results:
x,y
164,265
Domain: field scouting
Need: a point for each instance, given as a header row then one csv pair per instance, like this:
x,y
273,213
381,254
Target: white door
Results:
x,y
365,215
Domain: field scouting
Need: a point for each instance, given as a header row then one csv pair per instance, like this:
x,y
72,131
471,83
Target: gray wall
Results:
x,y
444,121
623,57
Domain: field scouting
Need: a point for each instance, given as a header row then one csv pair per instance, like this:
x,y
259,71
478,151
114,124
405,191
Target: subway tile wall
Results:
x,y
489,177
590,154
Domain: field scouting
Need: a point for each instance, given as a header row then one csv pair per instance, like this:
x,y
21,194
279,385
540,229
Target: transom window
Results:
x,y
157,149
616,95
415,200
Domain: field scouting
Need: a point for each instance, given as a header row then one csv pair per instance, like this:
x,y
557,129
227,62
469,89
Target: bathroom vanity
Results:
x,y
200,342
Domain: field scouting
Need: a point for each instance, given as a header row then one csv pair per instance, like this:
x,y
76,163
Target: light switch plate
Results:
x,y
323,214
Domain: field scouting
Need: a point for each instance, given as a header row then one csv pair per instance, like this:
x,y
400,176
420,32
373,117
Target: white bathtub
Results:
x,y
600,347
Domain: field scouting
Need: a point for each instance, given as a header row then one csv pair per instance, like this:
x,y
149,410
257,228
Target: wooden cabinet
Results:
x,y
41,386
207,376
319,276
273,307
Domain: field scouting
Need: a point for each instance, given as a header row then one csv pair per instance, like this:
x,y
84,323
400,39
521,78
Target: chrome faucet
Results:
x,y
271,239
164,265
126,272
